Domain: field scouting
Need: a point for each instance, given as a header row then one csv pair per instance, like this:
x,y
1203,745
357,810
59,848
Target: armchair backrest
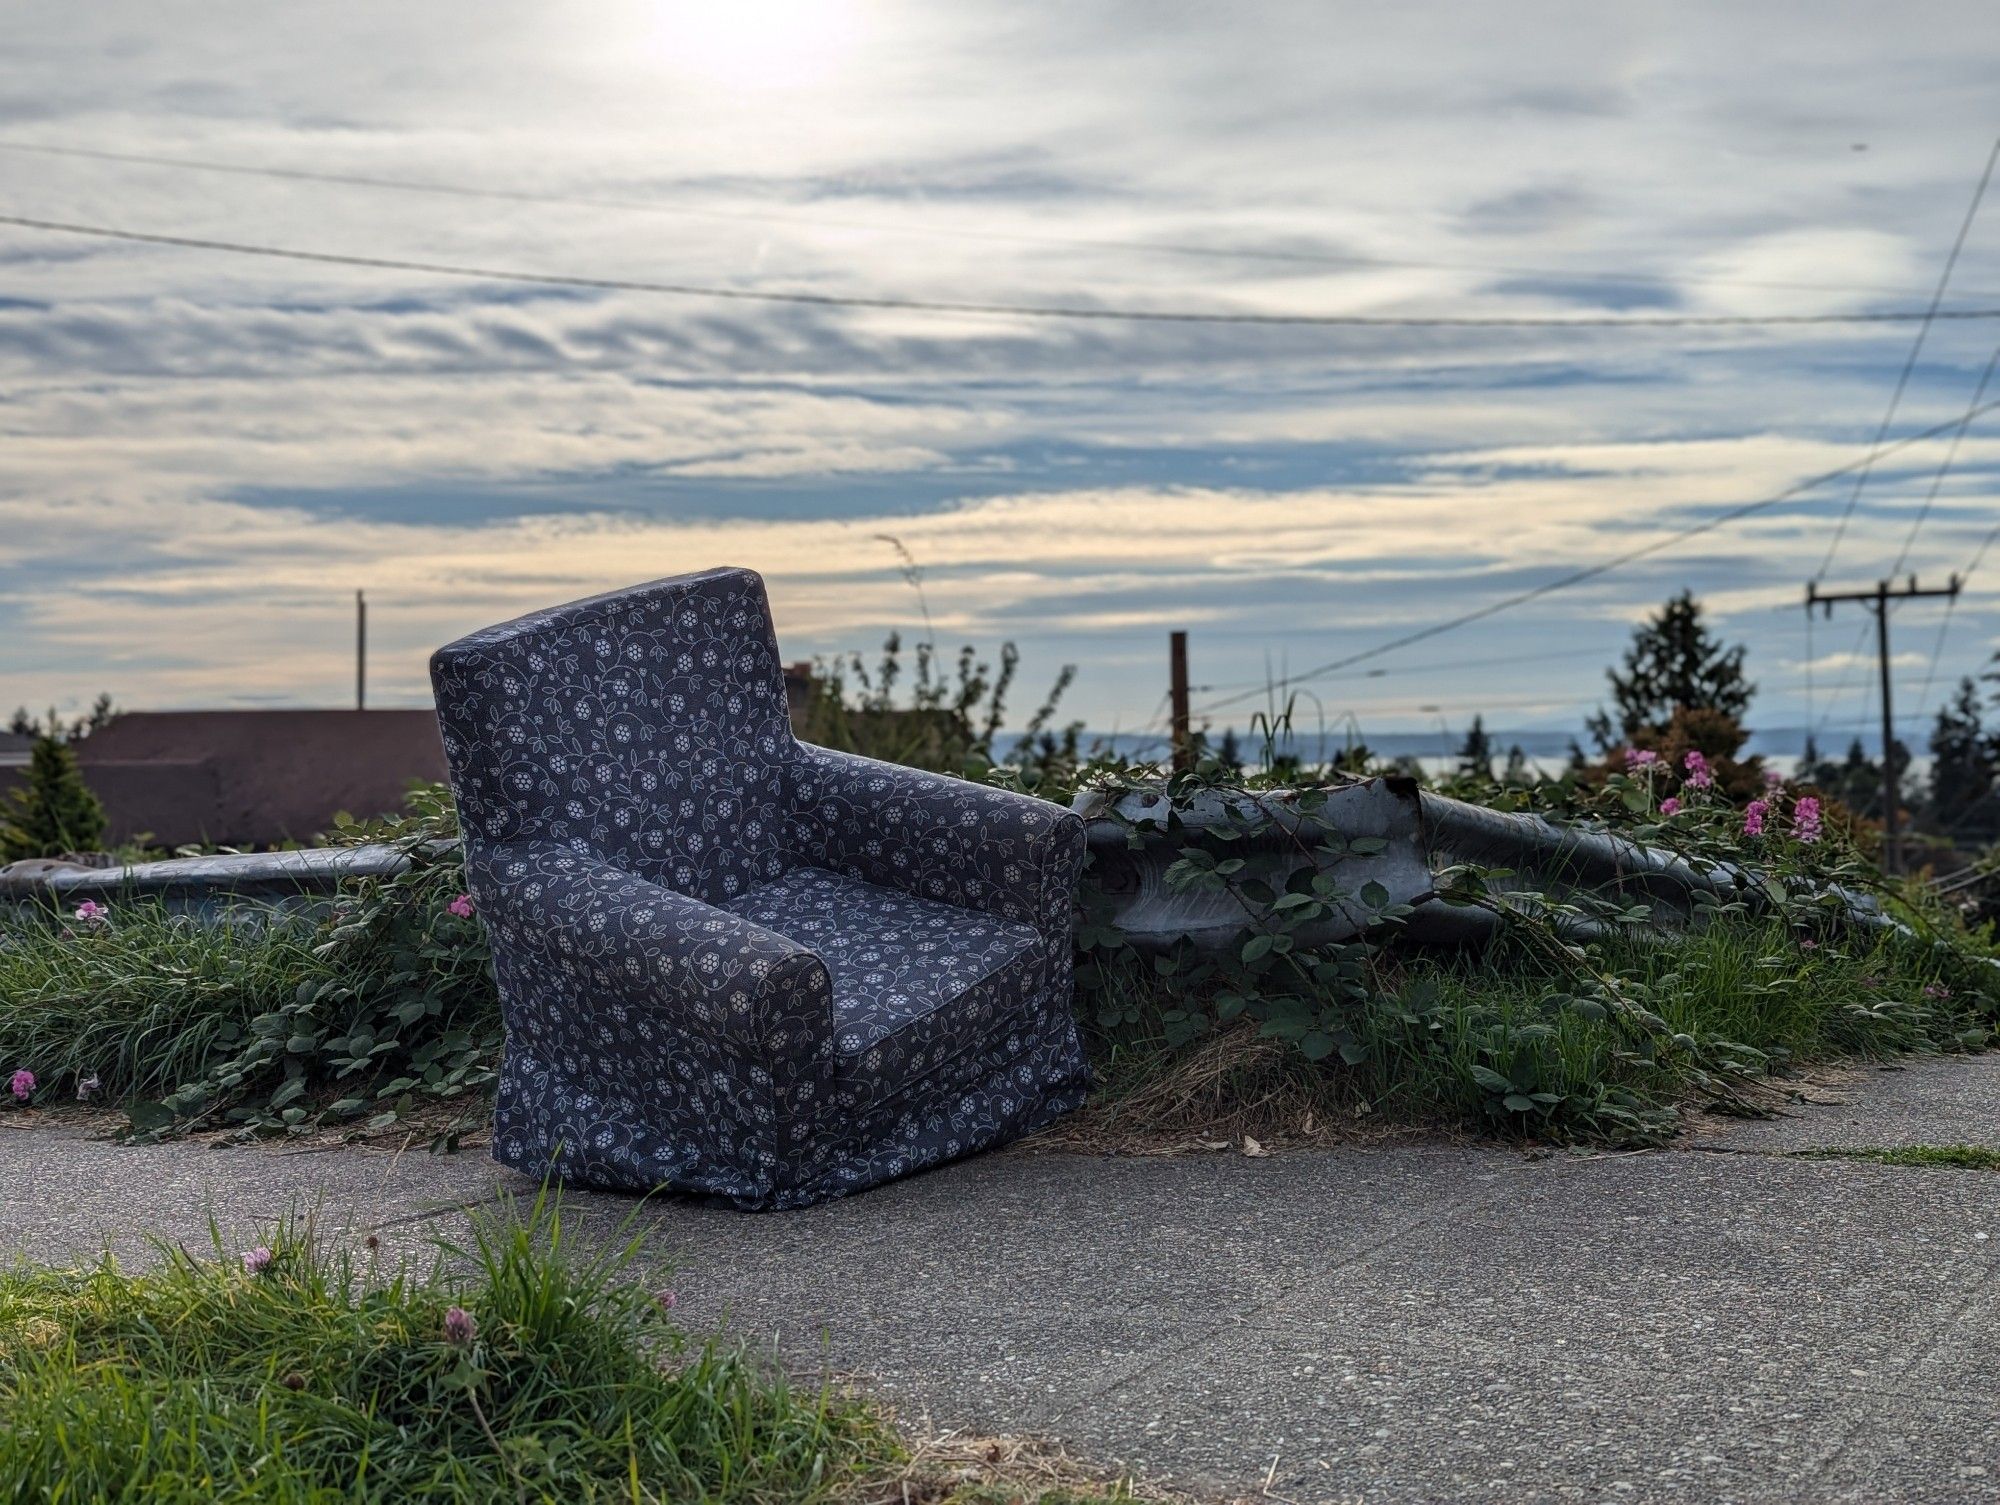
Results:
x,y
648,727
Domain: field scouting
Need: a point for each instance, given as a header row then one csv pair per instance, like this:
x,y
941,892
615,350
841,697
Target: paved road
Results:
x,y
1726,1321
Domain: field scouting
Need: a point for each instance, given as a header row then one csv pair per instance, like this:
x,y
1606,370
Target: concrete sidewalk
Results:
x,y
1725,1321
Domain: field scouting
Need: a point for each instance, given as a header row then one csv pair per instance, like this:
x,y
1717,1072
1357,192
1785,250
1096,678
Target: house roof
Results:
x,y
254,778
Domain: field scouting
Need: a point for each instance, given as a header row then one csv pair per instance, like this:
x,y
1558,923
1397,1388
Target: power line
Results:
x,y
1591,572
1910,361
1945,465
812,221
1937,482
1004,310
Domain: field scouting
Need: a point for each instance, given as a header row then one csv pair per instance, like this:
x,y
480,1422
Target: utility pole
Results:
x,y
360,652
1877,601
1178,685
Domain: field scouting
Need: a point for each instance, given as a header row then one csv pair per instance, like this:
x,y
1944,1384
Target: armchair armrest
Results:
x,y
937,837
725,985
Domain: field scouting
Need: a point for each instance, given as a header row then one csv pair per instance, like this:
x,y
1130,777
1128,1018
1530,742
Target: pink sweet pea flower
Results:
x,y
1753,817
1805,819
1698,776
1637,758
461,906
1772,778
1670,806
22,1085
92,913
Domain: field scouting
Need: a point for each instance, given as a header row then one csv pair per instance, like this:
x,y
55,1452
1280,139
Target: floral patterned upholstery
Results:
x,y
730,963
893,958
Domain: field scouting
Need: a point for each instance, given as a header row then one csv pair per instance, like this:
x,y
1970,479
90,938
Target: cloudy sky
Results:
x,y
203,455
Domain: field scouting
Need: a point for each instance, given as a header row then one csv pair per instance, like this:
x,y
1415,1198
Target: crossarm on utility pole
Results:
x,y
1877,601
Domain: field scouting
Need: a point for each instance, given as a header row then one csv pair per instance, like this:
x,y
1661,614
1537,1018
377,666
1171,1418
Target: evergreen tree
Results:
x,y
54,812
1475,754
1674,663
1965,764
21,724
1230,753
1516,771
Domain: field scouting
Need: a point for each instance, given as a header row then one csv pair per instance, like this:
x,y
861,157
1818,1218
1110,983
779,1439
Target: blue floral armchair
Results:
x,y
729,962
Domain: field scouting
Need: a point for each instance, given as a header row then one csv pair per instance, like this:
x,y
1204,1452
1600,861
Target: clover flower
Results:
x,y
256,1261
459,1328
1805,819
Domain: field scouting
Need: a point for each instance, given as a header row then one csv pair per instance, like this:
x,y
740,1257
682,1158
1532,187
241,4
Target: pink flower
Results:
x,y
1808,944
1772,778
1698,776
22,1085
461,906
92,913
1753,817
459,1328
1670,806
1805,819
87,1088
1936,990
666,1300
256,1261
1637,758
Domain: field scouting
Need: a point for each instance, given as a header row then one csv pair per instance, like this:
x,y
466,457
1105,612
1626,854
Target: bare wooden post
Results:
x,y
1183,743
360,652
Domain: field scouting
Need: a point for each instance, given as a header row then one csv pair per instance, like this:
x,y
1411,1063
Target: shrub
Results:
x,y
54,812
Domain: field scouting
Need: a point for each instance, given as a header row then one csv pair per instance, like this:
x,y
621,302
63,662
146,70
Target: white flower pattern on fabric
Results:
x,y
731,963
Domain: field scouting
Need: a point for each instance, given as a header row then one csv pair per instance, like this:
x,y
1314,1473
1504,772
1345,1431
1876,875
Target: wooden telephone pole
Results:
x,y
1877,601
1178,687
360,652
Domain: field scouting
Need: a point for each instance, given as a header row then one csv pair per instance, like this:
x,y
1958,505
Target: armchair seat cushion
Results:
x,y
899,964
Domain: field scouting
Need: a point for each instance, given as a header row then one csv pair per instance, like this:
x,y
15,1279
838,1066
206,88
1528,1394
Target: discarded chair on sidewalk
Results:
x,y
729,962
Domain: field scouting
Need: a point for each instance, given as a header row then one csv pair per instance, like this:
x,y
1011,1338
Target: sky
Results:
x,y
204,455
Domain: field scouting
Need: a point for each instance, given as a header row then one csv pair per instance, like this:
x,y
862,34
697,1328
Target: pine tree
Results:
x,y
54,812
1964,767
1674,663
1475,754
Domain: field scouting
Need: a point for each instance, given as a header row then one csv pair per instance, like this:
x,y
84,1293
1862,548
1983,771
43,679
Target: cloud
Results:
x,y
201,457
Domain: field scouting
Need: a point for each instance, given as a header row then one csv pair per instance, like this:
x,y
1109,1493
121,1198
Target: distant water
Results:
x,y
1781,747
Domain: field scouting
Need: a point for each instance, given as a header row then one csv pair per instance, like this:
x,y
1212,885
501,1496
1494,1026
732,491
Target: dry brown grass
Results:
x,y
969,1468
1236,1090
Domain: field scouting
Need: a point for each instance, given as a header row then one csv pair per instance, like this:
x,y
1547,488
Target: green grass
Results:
x,y
1966,1157
143,1003
1500,1042
320,1379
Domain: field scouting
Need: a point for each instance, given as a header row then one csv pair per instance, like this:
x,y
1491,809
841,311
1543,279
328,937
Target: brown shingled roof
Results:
x,y
254,778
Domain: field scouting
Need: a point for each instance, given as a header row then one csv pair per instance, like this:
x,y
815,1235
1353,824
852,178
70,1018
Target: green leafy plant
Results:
x,y
396,1008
